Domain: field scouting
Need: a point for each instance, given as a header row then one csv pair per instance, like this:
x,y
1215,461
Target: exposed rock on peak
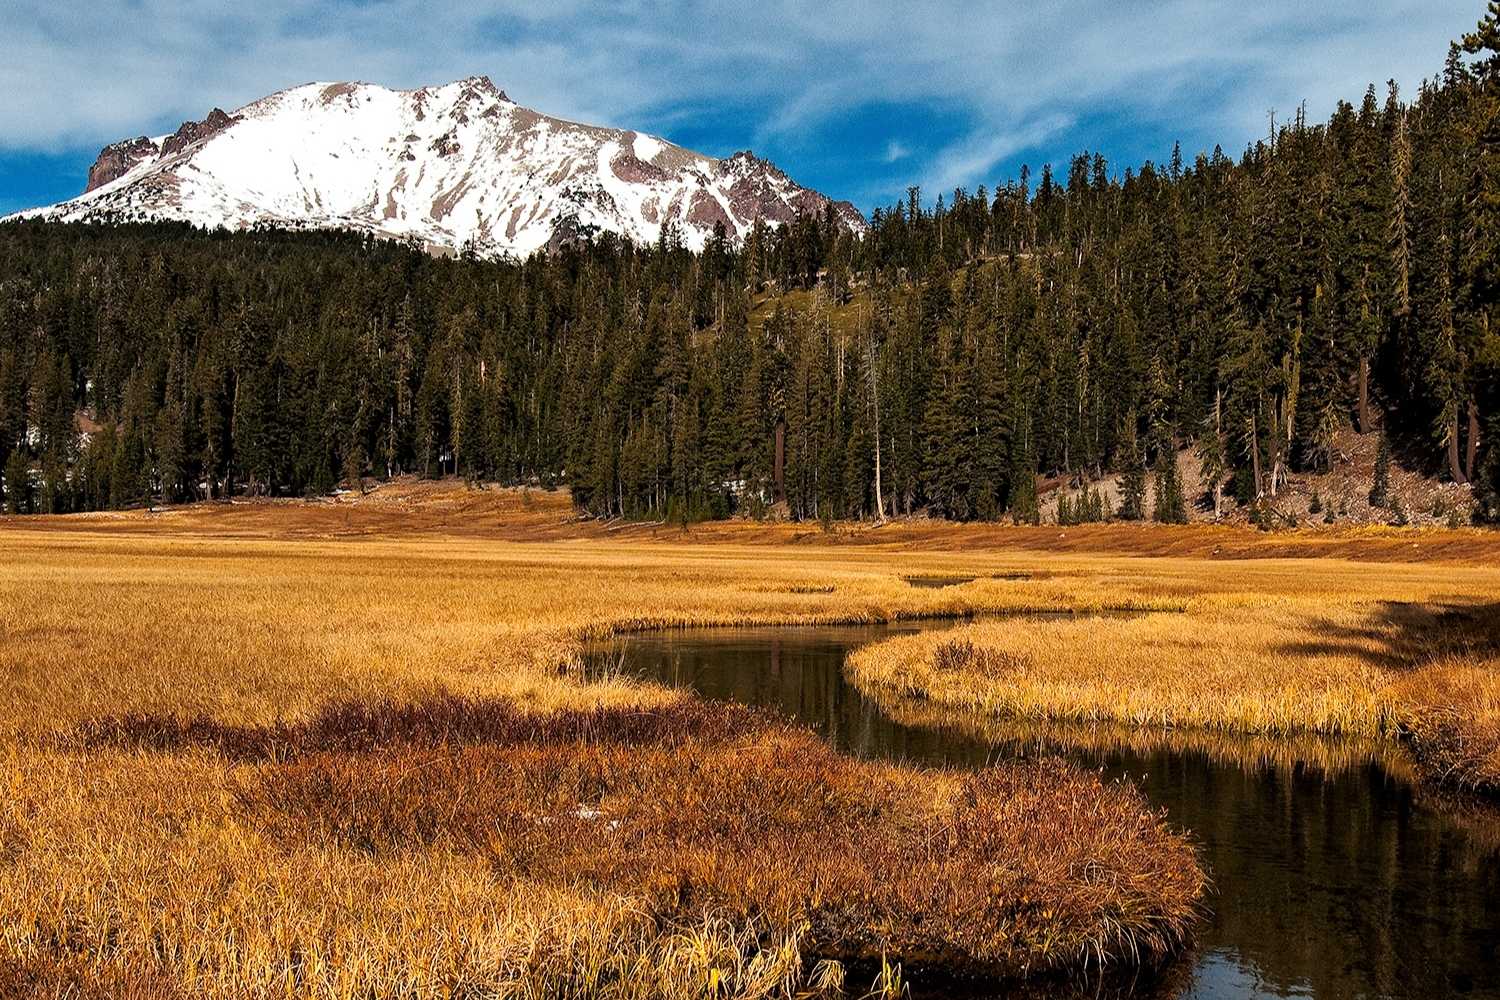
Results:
x,y
190,132
454,167
483,85
118,159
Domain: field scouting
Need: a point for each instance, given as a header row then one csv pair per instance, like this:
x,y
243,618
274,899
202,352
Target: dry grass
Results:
x,y
1249,752
1451,712
466,846
247,765
1335,661
1228,667
408,507
231,738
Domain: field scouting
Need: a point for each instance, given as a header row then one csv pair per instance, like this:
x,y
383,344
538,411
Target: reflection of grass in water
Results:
x,y
1250,752
938,582
1307,658
1477,816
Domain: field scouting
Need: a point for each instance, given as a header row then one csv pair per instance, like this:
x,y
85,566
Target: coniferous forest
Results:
x,y
1335,274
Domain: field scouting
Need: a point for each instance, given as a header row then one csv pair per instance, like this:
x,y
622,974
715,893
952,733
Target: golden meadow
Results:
x,y
344,749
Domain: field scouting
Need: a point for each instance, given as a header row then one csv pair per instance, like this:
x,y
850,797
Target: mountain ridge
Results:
x,y
455,166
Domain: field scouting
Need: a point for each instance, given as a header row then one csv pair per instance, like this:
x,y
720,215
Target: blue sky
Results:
x,y
856,99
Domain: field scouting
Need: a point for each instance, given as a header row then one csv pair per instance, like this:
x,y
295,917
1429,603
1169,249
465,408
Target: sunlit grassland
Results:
x,y
173,822
253,630
1272,649
273,748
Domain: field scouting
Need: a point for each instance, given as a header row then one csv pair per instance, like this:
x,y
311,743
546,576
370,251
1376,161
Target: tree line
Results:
x,y
1336,274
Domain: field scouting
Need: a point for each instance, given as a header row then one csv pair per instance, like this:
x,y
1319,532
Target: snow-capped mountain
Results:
x,y
452,166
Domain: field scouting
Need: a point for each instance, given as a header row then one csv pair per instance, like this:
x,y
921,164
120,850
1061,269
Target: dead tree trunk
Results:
x,y
778,469
879,498
1219,438
1455,467
1260,490
1364,395
1471,453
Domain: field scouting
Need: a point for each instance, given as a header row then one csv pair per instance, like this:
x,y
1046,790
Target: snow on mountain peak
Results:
x,y
450,166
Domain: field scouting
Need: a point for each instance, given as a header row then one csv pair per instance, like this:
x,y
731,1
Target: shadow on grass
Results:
x,y
1400,635
445,721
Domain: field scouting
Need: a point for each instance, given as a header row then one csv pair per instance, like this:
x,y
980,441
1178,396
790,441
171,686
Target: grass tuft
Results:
x,y
1020,868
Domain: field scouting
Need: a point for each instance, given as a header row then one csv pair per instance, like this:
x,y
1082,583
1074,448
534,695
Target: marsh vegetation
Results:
x,y
347,748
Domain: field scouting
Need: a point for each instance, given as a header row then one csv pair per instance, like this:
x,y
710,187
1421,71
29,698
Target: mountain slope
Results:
x,y
450,166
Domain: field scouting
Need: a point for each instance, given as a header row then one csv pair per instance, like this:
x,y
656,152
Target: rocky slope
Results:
x,y
454,166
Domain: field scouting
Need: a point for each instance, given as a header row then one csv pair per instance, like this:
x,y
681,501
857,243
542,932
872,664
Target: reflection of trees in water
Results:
x,y
1333,872
1340,882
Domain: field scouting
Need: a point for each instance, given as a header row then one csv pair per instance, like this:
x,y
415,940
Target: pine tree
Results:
x,y
1097,509
1380,486
1133,491
1478,301
1213,458
17,483
1170,507
1487,481
1024,508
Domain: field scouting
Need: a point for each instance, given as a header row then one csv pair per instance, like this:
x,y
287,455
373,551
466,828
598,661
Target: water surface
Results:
x,y
1333,880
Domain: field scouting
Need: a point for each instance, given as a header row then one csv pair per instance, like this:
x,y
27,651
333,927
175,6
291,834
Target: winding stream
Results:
x,y
1333,880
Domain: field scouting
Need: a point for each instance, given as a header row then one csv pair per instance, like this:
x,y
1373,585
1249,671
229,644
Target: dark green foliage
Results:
x,y
17,484
1380,485
1095,507
1024,508
1088,507
1170,506
1315,505
1334,274
1487,482
1133,492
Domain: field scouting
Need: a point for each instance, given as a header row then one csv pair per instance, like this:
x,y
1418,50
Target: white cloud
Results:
x,y
896,150
79,74
971,160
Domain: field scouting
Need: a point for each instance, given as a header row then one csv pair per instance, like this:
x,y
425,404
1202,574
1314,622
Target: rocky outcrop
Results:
x,y
705,211
758,189
457,166
633,170
191,132
118,159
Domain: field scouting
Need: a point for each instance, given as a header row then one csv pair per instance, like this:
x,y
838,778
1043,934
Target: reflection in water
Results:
x,y
1332,879
938,582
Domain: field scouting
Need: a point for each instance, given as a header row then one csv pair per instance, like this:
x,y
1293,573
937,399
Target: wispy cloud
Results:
x,y
979,153
787,76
